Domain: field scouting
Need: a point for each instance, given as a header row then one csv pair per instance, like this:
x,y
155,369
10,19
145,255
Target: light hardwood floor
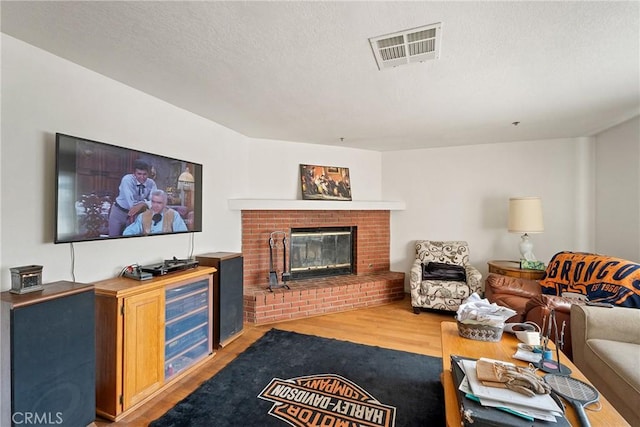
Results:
x,y
392,326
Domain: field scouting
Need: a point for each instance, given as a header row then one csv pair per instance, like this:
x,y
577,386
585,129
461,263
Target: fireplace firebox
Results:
x,y
321,251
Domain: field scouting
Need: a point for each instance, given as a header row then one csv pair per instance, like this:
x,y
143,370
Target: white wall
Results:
x,y
5,370
43,94
618,191
461,193
273,169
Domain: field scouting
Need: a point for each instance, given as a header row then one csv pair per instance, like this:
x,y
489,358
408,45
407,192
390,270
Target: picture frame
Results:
x,y
325,182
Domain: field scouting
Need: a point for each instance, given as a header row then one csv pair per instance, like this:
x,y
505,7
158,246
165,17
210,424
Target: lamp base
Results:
x,y
526,248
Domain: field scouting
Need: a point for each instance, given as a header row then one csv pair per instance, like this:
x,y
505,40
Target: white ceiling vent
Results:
x,y
406,47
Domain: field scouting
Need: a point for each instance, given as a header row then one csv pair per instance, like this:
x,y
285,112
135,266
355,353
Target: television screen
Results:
x,y
106,192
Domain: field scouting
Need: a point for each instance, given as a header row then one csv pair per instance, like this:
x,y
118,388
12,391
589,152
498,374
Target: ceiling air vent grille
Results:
x,y
406,47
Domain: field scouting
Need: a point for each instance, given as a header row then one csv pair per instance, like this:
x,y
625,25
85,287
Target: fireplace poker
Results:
x,y
273,274
285,274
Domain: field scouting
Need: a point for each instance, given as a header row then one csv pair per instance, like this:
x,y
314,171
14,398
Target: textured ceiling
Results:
x,y
304,71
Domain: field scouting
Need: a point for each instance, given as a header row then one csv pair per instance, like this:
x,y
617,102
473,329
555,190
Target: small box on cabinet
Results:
x,y
25,279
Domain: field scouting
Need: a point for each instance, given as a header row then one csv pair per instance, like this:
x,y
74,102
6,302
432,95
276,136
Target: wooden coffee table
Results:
x,y
452,343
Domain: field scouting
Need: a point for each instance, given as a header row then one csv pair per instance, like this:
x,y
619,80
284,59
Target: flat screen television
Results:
x,y
107,192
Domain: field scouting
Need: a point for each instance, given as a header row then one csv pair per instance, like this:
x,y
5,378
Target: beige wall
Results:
x,y
618,191
43,94
590,188
461,193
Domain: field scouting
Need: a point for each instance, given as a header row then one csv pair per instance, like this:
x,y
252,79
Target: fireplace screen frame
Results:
x,y
298,273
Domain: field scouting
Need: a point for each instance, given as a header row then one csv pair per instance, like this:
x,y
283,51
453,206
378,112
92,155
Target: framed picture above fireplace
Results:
x,y
325,182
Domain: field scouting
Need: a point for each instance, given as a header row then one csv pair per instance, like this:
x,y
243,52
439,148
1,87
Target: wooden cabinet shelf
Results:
x,y
149,334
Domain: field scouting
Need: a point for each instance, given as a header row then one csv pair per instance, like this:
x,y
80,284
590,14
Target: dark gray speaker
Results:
x,y
228,294
52,350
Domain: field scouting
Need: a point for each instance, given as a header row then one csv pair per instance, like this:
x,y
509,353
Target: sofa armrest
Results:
x,y
538,310
552,302
499,284
616,324
511,292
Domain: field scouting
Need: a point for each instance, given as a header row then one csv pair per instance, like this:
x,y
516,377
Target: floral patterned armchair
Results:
x,y
442,294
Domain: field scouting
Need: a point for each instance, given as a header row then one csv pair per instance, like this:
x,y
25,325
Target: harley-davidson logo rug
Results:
x,y
326,400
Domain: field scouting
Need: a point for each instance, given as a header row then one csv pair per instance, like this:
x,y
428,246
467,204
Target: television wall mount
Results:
x,y
274,239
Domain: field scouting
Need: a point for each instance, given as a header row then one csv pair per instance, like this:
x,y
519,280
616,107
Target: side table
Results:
x,y
512,268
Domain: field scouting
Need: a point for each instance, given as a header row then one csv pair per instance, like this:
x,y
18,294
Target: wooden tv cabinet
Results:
x,y
149,334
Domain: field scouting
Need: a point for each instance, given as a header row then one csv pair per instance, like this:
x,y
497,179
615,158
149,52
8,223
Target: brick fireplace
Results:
x,y
371,284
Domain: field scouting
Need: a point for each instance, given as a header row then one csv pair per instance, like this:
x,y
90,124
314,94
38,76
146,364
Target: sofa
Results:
x,y
571,278
606,349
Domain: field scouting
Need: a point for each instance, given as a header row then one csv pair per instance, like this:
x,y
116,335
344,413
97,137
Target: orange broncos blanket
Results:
x,y
600,278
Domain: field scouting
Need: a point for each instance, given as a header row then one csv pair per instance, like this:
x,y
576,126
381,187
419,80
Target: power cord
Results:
x,y
73,262
192,240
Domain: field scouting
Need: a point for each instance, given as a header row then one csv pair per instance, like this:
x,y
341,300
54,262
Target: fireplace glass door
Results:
x,y
324,251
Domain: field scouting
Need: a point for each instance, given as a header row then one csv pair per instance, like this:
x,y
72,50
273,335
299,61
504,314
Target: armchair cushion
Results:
x,y
602,279
443,271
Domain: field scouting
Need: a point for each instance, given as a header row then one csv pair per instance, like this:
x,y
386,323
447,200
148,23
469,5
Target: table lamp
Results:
x,y
525,216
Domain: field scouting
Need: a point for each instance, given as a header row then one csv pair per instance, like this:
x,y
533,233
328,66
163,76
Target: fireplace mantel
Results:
x,y
314,205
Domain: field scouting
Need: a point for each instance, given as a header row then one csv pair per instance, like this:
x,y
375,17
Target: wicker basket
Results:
x,y
480,332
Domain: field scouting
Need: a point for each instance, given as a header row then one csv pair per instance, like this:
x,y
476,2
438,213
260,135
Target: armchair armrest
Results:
x,y
474,278
415,276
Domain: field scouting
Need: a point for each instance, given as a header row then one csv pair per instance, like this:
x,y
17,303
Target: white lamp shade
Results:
x,y
525,215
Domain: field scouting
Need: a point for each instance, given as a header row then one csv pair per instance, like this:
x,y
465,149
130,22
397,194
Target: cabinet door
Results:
x,y
143,346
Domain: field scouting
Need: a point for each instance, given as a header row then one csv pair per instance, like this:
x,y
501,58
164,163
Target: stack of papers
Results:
x,y
476,310
540,406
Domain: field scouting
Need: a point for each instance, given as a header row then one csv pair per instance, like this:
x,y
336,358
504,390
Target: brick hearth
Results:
x,y
372,283
313,297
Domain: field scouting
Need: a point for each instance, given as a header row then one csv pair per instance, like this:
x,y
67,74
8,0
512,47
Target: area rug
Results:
x,y
287,378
